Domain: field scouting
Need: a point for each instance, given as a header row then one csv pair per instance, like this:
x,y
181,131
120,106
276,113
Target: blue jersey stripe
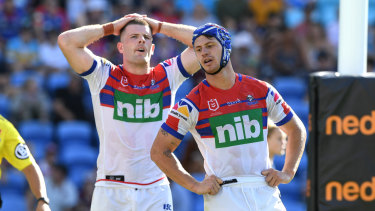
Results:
x,y
110,75
286,119
206,131
92,68
203,121
106,99
109,88
205,83
181,67
167,100
167,89
264,121
161,80
187,99
171,131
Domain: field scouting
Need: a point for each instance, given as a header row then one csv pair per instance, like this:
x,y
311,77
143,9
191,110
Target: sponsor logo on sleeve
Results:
x,y
21,151
182,110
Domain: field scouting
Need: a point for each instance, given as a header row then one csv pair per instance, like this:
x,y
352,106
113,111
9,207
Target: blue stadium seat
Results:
x,y
293,205
78,174
77,132
293,190
36,131
15,182
13,201
4,105
290,87
56,81
301,108
77,154
17,79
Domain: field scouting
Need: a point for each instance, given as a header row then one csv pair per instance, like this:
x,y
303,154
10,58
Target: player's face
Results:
x,y
136,44
208,52
277,142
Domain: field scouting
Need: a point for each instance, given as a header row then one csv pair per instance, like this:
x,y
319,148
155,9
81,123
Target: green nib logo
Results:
x,y
238,128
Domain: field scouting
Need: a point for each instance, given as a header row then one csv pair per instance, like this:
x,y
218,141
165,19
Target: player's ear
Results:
x,y
120,47
152,49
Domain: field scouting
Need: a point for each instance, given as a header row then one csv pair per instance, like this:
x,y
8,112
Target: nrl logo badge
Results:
x,y
124,81
152,82
250,98
213,105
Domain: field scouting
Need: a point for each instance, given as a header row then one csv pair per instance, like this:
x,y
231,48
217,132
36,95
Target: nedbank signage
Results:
x,y
135,108
341,143
350,191
351,124
237,128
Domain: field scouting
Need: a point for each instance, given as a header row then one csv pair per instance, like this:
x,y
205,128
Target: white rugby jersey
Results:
x,y
129,110
230,126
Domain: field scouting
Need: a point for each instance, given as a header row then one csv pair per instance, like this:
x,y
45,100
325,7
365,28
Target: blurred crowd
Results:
x,y
270,39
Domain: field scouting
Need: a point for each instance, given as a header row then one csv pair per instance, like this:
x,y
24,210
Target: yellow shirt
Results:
x,y
13,147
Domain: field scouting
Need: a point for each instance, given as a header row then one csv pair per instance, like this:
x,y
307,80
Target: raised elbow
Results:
x,y
62,40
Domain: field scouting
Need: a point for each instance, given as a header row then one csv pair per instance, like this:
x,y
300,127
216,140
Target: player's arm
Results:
x,y
296,132
161,154
182,33
37,185
73,43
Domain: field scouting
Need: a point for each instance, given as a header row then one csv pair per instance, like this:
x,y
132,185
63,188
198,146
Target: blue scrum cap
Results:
x,y
221,34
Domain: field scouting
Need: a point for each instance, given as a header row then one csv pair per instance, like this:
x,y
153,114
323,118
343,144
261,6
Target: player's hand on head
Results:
x,y
275,177
134,15
120,23
153,23
210,185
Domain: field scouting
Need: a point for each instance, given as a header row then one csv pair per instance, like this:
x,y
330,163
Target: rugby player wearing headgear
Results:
x,y
227,115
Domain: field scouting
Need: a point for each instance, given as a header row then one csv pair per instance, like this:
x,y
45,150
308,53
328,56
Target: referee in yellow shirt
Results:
x,y
15,151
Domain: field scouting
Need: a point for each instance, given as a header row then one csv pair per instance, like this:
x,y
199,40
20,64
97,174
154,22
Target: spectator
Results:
x,y
262,9
30,103
276,139
199,16
68,103
22,50
50,16
50,55
62,192
11,19
287,57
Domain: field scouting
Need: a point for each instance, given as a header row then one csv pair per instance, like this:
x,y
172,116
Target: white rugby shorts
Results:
x,y
122,198
248,194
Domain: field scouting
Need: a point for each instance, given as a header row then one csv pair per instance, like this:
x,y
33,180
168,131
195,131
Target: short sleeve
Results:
x,y
175,71
278,110
98,74
181,118
15,149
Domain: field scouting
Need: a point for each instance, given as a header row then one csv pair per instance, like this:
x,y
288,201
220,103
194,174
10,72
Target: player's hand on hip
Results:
x,y
210,185
275,177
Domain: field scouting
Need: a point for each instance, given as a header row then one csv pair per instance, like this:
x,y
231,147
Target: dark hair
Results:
x,y
136,21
